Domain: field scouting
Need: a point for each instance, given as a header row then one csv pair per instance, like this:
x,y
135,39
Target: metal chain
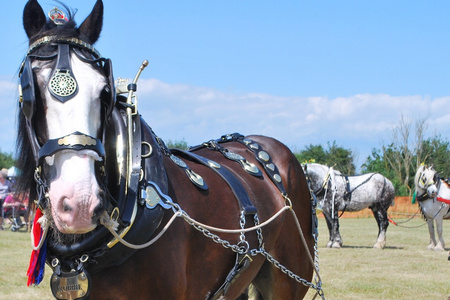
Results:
x,y
317,268
258,231
291,274
242,250
242,223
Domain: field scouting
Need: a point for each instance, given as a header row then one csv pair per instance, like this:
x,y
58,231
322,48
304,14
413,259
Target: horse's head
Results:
x,y
320,176
66,95
426,181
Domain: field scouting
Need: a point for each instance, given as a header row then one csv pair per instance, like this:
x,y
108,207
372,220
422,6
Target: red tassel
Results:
x,y
35,269
443,200
392,221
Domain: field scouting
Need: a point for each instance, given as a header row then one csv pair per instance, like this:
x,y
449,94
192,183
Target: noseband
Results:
x,y
63,87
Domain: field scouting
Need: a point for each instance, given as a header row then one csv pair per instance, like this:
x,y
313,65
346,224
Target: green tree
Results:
x,y
390,162
377,162
437,154
6,160
177,144
314,153
336,156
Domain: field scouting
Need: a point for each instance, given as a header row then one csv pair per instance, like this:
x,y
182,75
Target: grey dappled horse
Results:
x,y
430,188
337,192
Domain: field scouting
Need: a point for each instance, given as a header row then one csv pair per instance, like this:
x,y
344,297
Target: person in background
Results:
x,y
5,190
16,204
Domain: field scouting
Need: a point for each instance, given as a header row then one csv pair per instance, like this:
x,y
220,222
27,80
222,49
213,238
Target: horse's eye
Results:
x,y
105,93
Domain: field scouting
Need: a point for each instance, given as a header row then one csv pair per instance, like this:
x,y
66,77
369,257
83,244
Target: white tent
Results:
x,y
12,172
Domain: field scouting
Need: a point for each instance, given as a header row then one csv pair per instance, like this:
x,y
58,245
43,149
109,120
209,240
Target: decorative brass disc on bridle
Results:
x,y
62,84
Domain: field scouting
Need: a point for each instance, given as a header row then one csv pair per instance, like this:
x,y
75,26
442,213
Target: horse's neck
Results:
x,y
321,174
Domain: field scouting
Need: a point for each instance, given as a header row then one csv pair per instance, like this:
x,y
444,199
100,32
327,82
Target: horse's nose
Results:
x,y
432,190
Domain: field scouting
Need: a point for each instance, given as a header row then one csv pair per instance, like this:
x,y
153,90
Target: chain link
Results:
x,y
253,252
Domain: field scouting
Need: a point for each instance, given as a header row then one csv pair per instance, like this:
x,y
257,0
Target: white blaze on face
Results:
x,y
74,191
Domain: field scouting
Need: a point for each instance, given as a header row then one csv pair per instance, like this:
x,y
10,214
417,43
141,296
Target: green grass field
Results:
x,y
405,269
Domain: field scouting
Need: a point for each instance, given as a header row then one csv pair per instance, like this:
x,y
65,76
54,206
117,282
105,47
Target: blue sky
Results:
x,y
305,72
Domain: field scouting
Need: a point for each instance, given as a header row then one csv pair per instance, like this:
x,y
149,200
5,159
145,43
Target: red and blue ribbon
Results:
x,y
36,268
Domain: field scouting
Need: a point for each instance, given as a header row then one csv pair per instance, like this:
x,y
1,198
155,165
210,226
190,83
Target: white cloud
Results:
x,y
197,114
8,109
358,122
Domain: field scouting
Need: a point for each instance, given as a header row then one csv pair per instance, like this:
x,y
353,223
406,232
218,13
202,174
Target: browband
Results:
x,y
54,39
71,41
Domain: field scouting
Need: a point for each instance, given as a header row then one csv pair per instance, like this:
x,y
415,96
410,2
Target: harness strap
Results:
x,y
63,85
246,165
235,185
75,141
348,192
132,192
265,160
241,264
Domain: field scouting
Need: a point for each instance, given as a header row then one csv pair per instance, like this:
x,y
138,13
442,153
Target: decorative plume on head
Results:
x,y
37,24
57,16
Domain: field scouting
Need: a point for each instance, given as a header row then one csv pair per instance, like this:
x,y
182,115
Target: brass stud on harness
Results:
x,y
263,155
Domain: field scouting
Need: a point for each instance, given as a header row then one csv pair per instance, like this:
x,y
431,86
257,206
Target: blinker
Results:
x,y
27,90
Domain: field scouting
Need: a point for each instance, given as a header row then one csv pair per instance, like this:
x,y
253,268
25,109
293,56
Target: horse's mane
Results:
x,y
25,159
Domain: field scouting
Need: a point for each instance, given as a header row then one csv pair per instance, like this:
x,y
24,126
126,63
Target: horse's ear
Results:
x,y
91,27
33,18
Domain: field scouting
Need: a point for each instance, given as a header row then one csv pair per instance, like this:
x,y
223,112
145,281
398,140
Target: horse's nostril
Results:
x,y
66,207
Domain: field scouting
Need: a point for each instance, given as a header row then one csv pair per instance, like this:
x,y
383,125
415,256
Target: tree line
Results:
x,y
398,159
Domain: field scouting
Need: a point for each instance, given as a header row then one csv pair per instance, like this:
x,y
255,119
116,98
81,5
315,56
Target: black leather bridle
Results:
x,y
63,87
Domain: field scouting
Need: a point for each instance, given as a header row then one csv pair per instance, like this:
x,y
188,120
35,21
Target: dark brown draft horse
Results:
x,y
121,216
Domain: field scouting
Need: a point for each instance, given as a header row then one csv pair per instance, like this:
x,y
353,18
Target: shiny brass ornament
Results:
x,y
195,178
62,83
263,155
251,168
213,164
271,167
277,178
151,196
70,286
76,139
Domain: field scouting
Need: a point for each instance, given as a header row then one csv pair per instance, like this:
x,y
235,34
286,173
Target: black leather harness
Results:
x,y
137,219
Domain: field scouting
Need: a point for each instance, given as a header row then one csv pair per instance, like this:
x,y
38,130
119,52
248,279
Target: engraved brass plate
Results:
x,y
70,286
76,139
151,196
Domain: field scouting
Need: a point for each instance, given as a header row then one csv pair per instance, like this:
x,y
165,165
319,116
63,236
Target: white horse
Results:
x,y
336,192
431,192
